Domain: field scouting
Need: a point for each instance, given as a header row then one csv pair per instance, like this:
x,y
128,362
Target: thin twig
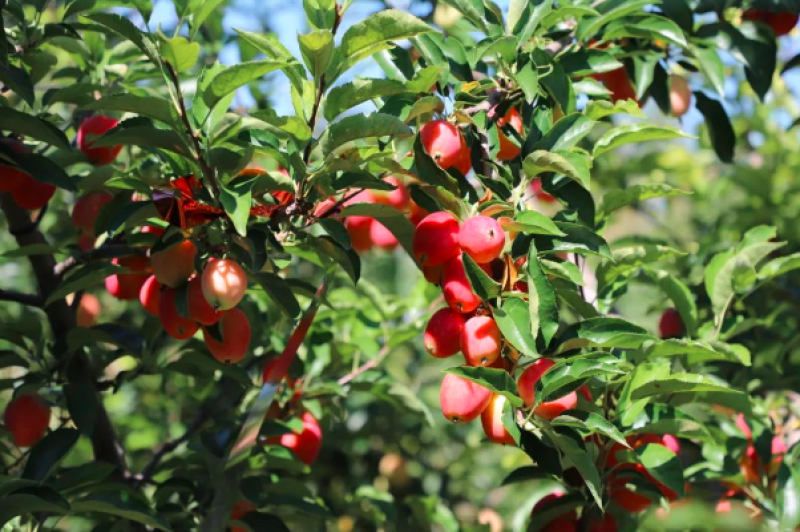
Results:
x,y
366,366
106,251
32,300
208,172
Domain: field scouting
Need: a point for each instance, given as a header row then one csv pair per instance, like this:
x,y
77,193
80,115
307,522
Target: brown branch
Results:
x,y
32,300
106,251
61,318
366,366
208,172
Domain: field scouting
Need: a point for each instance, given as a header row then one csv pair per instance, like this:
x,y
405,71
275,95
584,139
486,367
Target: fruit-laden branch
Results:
x,y
62,320
228,483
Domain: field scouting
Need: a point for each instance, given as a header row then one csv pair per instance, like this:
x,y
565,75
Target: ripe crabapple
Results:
x,y
88,311
33,194
399,198
224,283
462,400
626,498
150,295
240,509
492,421
127,286
360,230
174,265
27,417
442,141
481,341
680,96
464,163
12,178
235,331
508,150
433,274
95,126
436,239
442,336
304,444
670,325
526,387
482,238
174,324
199,309
456,288
86,209
781,22
382,237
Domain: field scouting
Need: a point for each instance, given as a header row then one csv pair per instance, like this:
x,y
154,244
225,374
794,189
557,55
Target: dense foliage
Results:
x,y
216,315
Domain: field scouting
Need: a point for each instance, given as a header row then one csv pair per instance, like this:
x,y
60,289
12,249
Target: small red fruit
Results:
x,y
199,309
224,283
382,237
462,400
456,288
33,194
492,421
11,177
670,325
239,510
508,150
399,198
360,230
436,239
174,324
95,126
443,334
174,265
27,417
481,341
86,209
526,387
235,329
433,274
88,311
150,295
482,238
304,444
127,286
464,164
680,96
626,498
442,141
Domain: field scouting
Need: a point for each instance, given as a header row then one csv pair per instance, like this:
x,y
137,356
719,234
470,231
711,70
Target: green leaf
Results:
x,y
527,78
321,14
145,137
562,162
533,222
201,12
594,423
31,126
362,126
82,403
681,383
236,198
29,501
317,50
120,504
374,34
587,61
280,291
597,109
180,53
649,27
788,494
681,297
542,300
663,465
150,106
18,81
720,129
628,409
565,133
46,170
473,10
495,380
698,352
526,20
394,220
348,95
590,26
634,133
618,198
272,47
231,78
603,332
779,266
580,239
514,320
583,463
123,27
48,453
711,64
484,286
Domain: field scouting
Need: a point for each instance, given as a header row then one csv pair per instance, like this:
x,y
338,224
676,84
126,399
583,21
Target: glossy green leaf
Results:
x,y
362,126
317,50
616,199
48,453
346,96
31,126
150,106
496,380
180,53
542,300
514,320
484,286
280,291
634,133
231,78
720,129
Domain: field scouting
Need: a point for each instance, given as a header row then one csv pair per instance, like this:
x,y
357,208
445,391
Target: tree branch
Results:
x,y
106,251
61,318
32,300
